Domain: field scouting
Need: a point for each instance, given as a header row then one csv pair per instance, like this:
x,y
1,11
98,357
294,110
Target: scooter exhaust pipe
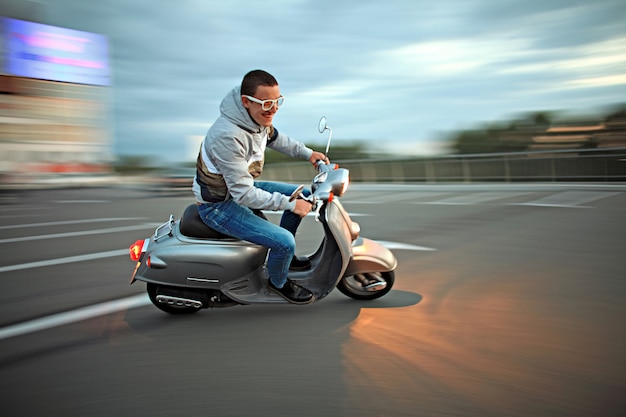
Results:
x,y
178,301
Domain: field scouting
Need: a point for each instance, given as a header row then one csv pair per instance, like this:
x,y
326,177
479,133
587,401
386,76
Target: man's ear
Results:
x,y
245,102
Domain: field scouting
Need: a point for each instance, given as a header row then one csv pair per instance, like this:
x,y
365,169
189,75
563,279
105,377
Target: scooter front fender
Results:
x,y
370,256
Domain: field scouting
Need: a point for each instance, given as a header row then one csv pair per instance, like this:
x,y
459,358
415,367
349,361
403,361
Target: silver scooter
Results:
x,y
188,266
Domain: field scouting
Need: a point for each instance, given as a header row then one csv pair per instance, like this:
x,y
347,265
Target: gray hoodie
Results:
x,y
232,154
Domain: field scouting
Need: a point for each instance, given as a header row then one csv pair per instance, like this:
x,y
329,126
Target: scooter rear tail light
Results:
x,y
135,250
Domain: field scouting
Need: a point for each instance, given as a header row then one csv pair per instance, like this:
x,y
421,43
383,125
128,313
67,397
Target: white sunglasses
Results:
x,y
267,105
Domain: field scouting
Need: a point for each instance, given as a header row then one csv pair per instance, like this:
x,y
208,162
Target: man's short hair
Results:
x,y
252,80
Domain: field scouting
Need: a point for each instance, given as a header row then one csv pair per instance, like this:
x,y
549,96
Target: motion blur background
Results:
x,y
489,140
460,91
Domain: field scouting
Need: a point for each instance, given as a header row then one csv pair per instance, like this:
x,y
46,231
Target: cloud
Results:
x,y
385,71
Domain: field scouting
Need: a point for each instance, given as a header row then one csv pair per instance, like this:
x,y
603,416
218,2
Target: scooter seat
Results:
x,y
191,225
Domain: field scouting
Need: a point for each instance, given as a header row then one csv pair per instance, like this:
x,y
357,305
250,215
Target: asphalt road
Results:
x,y
509,301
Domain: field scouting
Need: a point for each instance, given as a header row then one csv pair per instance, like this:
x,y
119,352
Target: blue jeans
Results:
x,y
240,222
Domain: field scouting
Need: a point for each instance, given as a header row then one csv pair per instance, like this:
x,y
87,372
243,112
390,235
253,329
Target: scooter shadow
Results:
x,y
337,308
394,299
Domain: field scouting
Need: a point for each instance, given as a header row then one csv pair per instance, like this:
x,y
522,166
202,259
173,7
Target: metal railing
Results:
x,y
599,165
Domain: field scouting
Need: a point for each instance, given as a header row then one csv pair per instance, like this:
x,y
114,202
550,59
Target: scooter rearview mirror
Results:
x,y
296,192
322,127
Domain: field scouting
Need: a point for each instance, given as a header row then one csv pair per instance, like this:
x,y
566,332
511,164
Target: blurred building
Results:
x,y
55,100
610,134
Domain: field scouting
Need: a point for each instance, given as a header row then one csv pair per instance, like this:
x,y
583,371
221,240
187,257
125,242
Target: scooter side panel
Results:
x,y
370,256
340,228
201,263
331,258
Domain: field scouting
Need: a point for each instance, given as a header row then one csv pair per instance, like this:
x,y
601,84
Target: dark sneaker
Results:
x,y
292,292
299,263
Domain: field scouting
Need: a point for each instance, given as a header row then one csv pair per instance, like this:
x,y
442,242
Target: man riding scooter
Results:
x,y
231,158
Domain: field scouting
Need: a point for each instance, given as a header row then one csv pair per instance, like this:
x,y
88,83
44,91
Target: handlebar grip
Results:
x,y
323,166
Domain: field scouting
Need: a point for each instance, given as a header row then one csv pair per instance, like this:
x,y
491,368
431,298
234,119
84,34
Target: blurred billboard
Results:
x,y
35,50
55,102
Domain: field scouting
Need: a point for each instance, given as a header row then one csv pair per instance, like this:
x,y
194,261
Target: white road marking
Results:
x,y
403,246
112,219
60,261
14,216
80,233
531,204
21,208
81,201
474,198
574,199
393,198
73,316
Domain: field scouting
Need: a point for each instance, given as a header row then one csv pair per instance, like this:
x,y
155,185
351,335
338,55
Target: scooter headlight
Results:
x,y
344,188
333,182
341,186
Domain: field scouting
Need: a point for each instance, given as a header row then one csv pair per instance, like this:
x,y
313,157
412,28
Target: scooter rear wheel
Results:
x,y
353,285
171,300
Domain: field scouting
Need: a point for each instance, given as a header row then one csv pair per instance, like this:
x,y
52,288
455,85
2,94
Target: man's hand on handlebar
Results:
x,y
303,207
318,156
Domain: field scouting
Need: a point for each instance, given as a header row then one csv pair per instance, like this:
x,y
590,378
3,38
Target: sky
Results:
x,y
398,74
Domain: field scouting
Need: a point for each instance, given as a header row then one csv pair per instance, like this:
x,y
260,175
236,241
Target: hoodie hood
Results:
x,y
233,110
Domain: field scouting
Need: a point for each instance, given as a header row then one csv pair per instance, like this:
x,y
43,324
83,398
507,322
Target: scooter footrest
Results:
x,y
375,286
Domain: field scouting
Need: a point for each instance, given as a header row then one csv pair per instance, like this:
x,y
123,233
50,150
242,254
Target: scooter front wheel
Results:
x,y
368,286
173,300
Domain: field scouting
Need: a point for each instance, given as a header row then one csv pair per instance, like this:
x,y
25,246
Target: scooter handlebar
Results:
x,y
322,166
